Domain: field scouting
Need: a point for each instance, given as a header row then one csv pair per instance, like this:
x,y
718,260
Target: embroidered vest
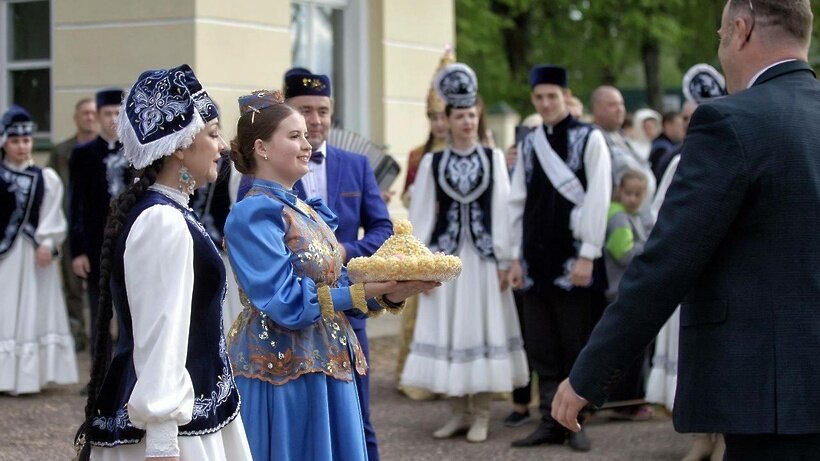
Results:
x,y
21,194
217,400
548,241
464,189
262,349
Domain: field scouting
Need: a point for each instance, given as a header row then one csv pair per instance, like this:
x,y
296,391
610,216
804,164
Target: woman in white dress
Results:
x,y
36,347
467,342
168,392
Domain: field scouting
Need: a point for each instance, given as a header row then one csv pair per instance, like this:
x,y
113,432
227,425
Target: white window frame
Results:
x,y
355,48
7,66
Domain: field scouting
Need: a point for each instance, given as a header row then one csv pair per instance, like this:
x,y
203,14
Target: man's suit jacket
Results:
x,y
738,241
355,198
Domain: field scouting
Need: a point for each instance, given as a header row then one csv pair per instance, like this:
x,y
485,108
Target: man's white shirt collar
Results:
x,y
757,75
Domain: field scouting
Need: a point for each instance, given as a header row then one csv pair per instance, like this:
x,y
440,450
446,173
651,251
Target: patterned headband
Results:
x,y
259,100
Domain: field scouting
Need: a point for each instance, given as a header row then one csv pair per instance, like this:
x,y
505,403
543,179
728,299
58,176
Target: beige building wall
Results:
x,y
239,46
408,39
108,43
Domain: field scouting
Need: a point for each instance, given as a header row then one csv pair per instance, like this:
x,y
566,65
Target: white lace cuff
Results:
x,y
161,439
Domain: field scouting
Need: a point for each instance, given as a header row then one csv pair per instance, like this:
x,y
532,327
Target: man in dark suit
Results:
x,y
737,241
85,119
347,183
98,173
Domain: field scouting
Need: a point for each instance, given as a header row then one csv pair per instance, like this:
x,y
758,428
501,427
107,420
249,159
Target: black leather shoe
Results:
x,y
579,441
544,434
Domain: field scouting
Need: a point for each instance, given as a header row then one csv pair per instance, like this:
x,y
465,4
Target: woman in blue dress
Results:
x,y
293,352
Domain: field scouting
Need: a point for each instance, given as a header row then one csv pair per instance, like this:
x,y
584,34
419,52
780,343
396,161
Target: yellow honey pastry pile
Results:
x,y
403,257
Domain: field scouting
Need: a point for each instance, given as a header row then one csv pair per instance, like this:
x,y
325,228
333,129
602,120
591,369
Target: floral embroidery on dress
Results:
x,y
22,185
447,242
576,142
115,165
153,104
118,421
481,236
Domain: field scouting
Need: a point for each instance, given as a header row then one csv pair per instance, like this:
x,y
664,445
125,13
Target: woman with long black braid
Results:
x,y
168,393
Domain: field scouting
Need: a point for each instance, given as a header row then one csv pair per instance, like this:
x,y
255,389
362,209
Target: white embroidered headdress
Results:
x,y
458,85
702,82
162,113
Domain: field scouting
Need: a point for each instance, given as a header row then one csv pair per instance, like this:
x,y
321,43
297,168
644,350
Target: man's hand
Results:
x,y
43,256
516,274
503,279
581,274
81,266
387,196
565,406
510,156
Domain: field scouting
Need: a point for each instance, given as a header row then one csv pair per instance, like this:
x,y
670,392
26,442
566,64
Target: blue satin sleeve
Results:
x,y
255,232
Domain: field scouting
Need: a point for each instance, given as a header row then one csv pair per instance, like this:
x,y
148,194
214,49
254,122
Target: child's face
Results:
x,y
632,194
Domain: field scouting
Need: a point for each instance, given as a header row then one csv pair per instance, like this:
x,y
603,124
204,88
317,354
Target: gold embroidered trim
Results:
x,y
358,297
325,301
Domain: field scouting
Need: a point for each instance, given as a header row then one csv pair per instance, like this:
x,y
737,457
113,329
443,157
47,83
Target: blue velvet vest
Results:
x,y
21,194
464,190
217,400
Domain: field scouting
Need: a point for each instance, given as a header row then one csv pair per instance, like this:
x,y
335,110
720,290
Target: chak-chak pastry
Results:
x,y
403,257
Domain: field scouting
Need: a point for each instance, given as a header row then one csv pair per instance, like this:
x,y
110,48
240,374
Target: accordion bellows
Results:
x,y
403,257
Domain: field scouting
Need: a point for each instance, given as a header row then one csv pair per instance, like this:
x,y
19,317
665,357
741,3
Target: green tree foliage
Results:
x,y
630,43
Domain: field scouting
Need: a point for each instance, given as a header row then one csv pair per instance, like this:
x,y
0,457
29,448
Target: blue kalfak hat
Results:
x,y
457,85
16,122
703,82
259,100
109,97
296,71
298,83
554,75
162,113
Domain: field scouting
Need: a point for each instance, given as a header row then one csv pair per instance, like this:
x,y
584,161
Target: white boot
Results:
x,y
481,420
458,422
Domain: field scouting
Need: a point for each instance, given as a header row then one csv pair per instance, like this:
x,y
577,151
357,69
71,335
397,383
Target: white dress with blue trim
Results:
x,y
36,346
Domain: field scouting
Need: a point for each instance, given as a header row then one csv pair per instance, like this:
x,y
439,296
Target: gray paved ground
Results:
x,y
41,427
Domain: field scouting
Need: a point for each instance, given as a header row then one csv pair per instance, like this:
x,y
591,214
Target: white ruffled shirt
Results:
x,y
590,226
159,276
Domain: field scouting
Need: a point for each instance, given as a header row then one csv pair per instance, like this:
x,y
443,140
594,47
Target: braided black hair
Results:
x,y
113,228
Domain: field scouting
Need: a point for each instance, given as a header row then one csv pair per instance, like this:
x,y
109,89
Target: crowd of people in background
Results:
x,y
545,228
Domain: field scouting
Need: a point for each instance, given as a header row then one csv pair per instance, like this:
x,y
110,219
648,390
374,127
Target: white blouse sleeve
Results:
x,y
423,206
500,197
233,183
159,279
515,204
52,226
591,226
666,181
